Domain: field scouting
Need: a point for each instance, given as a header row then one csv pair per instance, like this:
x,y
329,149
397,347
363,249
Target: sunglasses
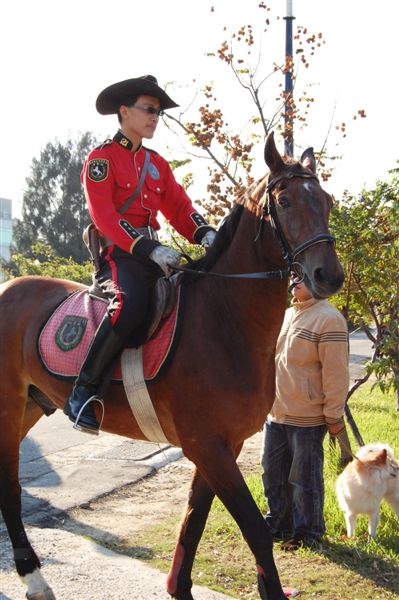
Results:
x,y
149,110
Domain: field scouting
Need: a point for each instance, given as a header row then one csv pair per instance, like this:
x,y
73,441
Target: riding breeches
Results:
x,y
128,282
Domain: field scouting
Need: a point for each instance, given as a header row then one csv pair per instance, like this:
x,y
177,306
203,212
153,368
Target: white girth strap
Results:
x,y
138,396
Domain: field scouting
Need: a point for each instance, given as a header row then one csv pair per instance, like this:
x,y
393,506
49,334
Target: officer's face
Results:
x,y
141,120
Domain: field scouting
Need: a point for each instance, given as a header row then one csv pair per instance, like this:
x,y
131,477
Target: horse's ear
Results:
x,y
272,156
308,160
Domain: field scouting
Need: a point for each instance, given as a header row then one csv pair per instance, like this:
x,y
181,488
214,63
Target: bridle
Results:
x,y
270,213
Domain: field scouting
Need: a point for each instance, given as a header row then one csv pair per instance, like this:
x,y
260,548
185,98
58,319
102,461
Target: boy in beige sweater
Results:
x,y
312,379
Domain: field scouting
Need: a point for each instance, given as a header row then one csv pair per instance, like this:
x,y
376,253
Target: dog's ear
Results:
x,y
381,457
377,458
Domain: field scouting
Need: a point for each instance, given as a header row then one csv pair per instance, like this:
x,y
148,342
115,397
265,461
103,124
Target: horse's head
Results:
x,y
299,209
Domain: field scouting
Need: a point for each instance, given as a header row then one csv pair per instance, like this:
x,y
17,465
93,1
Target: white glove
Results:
x,y
208,238
166,258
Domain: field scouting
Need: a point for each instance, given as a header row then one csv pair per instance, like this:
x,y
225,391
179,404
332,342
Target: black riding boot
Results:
x,y
103,350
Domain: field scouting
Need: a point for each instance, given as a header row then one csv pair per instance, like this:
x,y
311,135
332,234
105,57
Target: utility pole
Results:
x,y
288,118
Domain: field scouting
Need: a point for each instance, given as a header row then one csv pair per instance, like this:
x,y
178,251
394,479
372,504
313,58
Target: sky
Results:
x,y
56,58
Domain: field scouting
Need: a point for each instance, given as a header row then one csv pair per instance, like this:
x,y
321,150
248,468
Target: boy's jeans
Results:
x,y
292,462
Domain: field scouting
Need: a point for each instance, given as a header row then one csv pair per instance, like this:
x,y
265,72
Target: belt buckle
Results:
x,y
152,234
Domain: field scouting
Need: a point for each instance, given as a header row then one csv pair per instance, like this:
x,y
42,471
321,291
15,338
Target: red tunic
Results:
x,y
110,176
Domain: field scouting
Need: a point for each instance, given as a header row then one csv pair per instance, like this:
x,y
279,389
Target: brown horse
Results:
x,y
219,385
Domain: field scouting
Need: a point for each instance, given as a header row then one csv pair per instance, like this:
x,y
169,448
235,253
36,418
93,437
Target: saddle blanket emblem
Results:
x,y
65,338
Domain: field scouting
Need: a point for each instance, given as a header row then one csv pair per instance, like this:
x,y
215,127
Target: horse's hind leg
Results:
x,y
218,466
179,581
26,561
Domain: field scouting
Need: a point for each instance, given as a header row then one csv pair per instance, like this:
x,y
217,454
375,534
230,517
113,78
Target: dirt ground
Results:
x,y
131,509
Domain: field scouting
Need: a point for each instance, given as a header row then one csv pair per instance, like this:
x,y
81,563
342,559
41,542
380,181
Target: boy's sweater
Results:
x,y
312,370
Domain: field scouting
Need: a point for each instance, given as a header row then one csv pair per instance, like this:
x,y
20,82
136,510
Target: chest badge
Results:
x,y
153,171
98,169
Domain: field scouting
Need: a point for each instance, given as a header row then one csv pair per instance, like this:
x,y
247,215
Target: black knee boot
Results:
x,y
103,350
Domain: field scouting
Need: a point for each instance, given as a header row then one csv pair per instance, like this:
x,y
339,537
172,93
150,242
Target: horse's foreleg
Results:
x,y
226,480
179,581
26,561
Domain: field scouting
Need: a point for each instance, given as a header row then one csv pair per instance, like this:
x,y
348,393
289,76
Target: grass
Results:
x,y
338,569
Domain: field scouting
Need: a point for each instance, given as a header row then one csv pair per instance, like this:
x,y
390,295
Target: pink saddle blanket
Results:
x,y
65,338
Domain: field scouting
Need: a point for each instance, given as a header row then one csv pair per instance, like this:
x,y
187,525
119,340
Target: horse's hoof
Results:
x,y
287,591
46,594
290,592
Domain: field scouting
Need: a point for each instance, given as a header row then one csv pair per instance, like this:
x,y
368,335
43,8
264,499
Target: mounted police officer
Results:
x,y
125,186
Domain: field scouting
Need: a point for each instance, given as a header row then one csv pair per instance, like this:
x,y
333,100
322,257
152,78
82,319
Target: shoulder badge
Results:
x,y
98,169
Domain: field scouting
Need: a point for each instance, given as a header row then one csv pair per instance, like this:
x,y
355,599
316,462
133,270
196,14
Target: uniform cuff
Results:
x,y
201,231
143,247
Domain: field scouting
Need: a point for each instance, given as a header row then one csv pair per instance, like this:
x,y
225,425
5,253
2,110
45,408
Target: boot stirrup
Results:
x,y
83,428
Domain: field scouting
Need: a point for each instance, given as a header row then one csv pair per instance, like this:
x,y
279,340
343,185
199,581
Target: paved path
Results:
x,y
78,470
62,468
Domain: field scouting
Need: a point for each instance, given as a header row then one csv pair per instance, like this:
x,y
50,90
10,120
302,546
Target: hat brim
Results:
x,y
110,99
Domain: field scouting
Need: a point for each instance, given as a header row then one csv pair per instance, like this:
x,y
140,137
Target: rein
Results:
x,y
269,210
256,275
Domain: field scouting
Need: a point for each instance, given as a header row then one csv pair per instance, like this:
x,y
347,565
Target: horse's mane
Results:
x,y
249,198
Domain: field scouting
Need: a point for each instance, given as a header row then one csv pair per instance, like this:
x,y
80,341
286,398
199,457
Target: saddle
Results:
x,y
162,301
66,336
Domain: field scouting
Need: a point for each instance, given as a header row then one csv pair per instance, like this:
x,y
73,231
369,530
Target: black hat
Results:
x,y
110,99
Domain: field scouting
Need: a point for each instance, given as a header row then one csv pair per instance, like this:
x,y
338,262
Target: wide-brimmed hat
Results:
x,y
110,99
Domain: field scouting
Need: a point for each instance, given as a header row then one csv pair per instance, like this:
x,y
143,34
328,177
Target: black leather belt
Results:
x,y
148,232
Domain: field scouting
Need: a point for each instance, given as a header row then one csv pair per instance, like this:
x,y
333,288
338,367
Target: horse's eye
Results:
x,y
283,201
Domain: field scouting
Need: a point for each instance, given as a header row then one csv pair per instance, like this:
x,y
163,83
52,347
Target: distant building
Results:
x,y
5,230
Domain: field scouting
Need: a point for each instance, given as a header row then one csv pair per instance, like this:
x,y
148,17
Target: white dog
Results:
x,y
371,477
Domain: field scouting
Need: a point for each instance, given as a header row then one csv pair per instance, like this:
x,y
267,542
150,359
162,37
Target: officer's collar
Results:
x,y
123,141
